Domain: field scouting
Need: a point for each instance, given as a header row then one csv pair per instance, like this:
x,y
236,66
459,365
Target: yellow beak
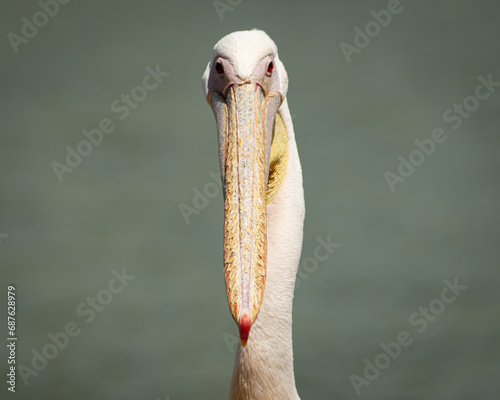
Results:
x,y
245,121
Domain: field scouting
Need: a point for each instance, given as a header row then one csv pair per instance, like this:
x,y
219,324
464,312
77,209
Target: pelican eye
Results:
x,y
270,67
219,68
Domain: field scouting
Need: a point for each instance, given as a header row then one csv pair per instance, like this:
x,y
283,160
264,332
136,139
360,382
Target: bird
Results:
x,y
246,84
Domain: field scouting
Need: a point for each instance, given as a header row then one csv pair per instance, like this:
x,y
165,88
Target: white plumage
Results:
x,y
263,369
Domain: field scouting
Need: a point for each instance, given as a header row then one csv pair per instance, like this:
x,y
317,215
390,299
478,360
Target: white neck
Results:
x,y
264,368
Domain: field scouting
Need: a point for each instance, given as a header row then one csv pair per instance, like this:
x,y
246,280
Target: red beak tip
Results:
x,y
244,327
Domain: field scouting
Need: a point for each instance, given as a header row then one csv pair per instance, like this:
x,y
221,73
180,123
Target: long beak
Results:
x,y
245,119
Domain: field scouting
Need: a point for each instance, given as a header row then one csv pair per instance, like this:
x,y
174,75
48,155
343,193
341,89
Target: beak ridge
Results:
x,y
245,119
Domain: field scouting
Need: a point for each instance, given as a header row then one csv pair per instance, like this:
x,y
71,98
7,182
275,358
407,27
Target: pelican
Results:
x,y
246,85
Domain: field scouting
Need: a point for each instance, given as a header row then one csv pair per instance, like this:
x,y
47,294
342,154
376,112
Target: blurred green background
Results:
x,y
168,333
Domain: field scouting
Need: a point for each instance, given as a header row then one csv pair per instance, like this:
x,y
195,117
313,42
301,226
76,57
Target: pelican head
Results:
x,y
245,84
